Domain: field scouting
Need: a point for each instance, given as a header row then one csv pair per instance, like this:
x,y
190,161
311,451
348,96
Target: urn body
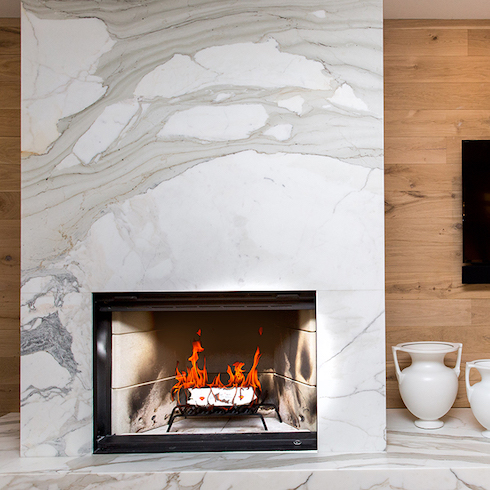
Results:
x,y
479,394
428,387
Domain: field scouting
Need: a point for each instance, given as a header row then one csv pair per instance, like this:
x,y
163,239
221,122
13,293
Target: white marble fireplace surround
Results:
x,y
201,146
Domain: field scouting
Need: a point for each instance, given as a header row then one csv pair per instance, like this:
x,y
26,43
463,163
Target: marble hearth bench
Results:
x,y
452,458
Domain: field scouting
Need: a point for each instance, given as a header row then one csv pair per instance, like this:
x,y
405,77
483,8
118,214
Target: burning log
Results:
x,y
221,397
239,397
241,389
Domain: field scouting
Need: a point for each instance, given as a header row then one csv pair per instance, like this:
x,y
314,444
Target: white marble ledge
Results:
x,y
455,457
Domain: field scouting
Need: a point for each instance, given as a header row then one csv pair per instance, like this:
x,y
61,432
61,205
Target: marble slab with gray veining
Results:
x,y
203,145
137,96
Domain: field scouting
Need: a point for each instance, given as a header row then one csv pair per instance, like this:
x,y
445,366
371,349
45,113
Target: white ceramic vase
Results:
x,y
428,387
479,394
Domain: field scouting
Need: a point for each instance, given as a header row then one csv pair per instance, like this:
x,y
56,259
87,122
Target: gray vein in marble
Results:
x,y
466,484
52,337
359,190
60,283
354,339
303,484
355,391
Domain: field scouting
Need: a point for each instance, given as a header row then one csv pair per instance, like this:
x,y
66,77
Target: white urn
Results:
x,y
428,387
479,393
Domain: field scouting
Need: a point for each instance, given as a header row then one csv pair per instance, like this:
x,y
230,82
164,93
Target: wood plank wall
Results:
x,y
437,92
9,213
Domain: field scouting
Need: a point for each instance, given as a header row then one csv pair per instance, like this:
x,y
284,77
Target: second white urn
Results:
x,y
479,393
428,387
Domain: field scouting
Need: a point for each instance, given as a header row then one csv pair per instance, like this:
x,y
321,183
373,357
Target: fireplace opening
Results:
x,y
209,371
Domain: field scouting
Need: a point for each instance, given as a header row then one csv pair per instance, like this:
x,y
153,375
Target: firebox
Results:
x,y
204,371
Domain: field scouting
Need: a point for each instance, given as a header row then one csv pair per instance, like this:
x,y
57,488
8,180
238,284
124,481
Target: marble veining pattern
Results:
x,y
47,335
337,129
212,146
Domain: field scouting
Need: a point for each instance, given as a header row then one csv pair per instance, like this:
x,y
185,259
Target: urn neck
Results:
x,y
428,351
428,357
483,367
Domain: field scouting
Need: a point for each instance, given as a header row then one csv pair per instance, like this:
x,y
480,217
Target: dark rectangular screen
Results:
x,y
476,208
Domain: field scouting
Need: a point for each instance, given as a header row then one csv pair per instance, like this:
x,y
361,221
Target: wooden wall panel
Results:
x,y
10,179
433,95
416,123
10,151
10,122
9,205
10,38
9,214
9,95
416,191
417,149
421,69
479,42
9,69
437,41
437,92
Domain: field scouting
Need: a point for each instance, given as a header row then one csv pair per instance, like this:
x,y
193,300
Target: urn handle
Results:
x,y
469,388
457,368
398,371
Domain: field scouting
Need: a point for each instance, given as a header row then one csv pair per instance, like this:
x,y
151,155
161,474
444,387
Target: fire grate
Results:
x,y
213,411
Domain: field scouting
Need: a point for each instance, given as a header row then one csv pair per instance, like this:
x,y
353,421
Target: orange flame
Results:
x,y
237,378
216,382
198,378
253,378
194,377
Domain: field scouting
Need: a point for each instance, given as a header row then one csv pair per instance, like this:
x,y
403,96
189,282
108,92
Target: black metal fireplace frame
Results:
x,y
103,306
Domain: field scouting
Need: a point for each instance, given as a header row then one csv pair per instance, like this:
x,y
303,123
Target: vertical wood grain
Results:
x,y
9,214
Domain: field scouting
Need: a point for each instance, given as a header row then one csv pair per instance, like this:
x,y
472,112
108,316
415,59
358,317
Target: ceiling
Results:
x,y
9,8
436,9
393,9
